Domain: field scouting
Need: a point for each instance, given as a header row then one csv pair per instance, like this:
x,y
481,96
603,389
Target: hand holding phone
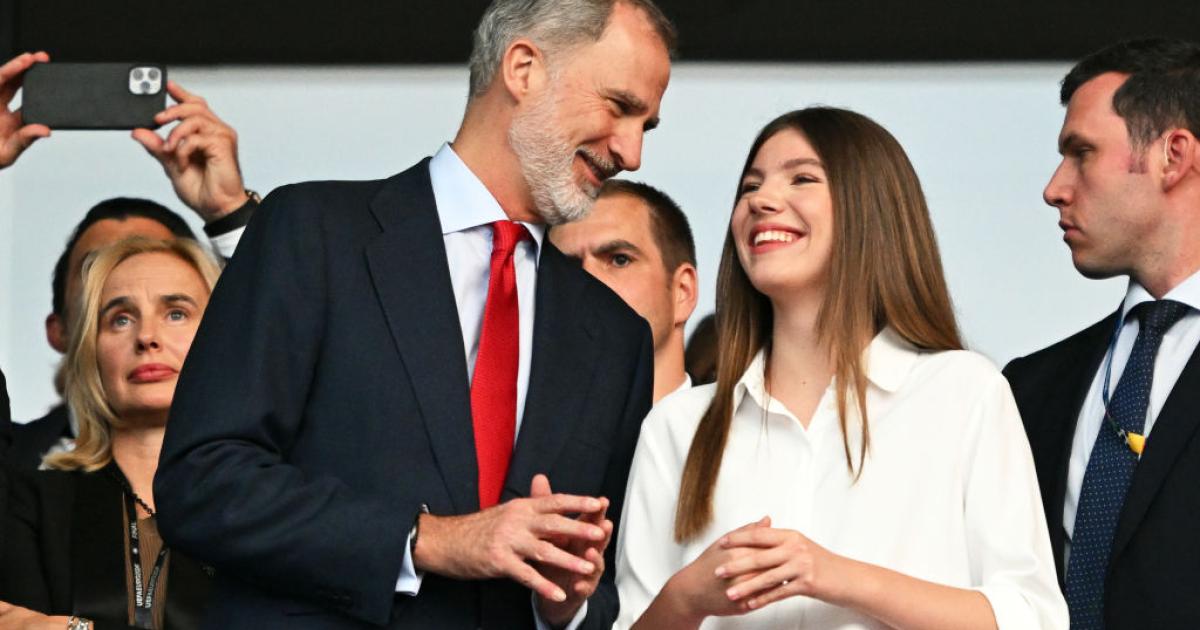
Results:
x,y
15,134
94,95
199,155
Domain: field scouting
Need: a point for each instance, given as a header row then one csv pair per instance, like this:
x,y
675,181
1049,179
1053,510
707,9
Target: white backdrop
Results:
x,y
982,138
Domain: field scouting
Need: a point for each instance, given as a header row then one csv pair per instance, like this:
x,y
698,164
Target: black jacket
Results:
x,y
65,553
32,439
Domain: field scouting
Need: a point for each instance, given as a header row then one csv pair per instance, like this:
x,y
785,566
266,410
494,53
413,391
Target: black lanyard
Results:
x,y
143,598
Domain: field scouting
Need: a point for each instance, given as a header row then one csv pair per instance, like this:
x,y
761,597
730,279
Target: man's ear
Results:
x,y
1181,157
523,69
56,333
685,291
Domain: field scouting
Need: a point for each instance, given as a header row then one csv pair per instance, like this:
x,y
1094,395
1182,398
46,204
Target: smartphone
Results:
x,y
94,95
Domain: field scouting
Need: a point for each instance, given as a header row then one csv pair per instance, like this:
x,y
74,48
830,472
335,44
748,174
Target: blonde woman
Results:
x,y
81,546
852,467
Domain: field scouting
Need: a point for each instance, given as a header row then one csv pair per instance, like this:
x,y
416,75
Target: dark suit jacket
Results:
x,y
32,439
65,553
325,399
1154,571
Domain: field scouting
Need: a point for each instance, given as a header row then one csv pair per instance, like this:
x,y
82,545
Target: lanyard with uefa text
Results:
x,y
143,593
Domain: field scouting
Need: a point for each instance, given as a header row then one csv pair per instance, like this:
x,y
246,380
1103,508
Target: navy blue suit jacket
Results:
x,y
325,398
1155,563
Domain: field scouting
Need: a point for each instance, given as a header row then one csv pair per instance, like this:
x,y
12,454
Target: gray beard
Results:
x,y
546,162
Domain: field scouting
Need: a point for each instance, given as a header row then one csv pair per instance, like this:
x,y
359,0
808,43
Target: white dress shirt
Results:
x,y
225,244
466,210
1178,345
683,387
948,492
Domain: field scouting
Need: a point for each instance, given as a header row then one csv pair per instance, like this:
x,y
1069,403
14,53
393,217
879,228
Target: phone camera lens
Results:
x,y
145,87
137,74
153,74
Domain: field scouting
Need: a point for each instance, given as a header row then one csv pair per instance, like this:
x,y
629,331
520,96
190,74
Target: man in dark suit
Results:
x,y
391,374
1113,412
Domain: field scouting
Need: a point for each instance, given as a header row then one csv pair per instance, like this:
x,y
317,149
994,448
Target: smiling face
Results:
x,y
150,306
782,224
586,125
1103,188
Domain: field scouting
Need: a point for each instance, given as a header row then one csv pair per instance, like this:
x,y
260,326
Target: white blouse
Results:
x,y
948,493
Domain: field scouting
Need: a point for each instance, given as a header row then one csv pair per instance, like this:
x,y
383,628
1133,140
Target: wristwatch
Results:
x,y
416,529
79,623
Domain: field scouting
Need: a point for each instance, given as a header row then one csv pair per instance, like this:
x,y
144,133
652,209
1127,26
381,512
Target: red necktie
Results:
x,y
494,384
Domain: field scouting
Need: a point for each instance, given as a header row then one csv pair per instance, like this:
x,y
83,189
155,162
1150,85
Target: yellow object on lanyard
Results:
x,y
1136,442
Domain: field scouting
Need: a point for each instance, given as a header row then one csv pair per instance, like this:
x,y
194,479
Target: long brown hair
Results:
x,y
885,271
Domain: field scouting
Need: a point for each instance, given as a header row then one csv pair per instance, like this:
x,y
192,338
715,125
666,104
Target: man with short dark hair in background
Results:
x,y
1113,412
638,242
413,364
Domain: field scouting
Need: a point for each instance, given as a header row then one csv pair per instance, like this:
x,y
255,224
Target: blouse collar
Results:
x,y
889,359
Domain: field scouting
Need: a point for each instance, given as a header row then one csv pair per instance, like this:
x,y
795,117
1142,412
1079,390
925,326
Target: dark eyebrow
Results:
x,y
1069,142
613,247
636,104
795,162
790,164
122,301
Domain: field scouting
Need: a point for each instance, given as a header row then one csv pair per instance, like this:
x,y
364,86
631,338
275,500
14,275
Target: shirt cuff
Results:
x,y
226,243
1014,610
410,579
541,624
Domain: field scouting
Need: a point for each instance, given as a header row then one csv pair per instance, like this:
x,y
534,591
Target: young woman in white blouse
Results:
x,y
852,467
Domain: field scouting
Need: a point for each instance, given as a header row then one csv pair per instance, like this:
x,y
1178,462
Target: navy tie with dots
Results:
x,y
1110,469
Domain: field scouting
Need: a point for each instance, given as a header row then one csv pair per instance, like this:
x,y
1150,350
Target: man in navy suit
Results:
x,y
404,406
1113,412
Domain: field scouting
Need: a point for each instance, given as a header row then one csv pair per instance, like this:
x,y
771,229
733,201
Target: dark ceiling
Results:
x,y
428,31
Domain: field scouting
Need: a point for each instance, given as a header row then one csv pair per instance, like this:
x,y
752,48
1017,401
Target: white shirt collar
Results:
x,y
1187,292
888,358
463,202
685,385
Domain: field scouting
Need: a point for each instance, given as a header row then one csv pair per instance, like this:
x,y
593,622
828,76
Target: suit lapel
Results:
x,y
1172,430
560,373
1060,416
412,278
98,549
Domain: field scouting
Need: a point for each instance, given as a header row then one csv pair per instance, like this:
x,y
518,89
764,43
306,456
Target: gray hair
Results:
x,y
554,25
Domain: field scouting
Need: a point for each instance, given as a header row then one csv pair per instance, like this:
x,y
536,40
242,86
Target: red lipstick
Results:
x,y
152,373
